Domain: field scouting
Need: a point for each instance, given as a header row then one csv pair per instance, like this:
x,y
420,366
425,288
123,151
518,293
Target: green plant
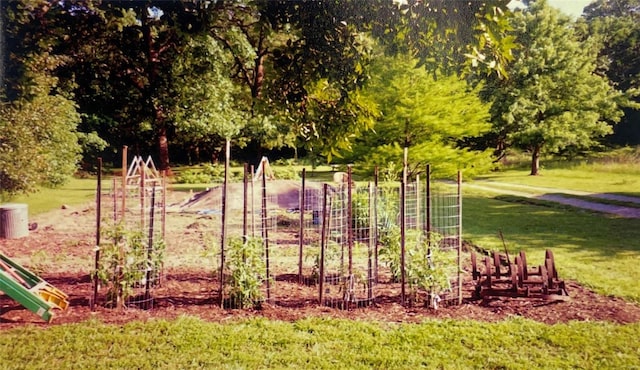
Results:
x,y
126,261
360,205
389,252
247,272
288,172
427,267
193,177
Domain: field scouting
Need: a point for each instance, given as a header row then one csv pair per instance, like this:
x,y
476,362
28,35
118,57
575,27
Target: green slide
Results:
x,y
29,290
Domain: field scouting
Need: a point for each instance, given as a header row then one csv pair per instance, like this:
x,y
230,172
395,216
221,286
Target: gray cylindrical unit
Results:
x,y
14,220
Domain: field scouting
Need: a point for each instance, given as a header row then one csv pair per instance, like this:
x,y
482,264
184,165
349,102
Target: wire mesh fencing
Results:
x,y
291,243
130,236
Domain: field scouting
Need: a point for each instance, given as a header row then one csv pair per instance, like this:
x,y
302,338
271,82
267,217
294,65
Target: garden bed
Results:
x,y
61,251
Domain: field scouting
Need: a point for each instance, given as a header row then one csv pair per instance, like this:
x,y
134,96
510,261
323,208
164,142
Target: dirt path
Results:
x,y
553,195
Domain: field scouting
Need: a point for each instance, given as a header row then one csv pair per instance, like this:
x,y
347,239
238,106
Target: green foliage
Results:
x,y
430,115
450,37
206,102
289,172
360,208
92,146
390,247
126,260
246,268
553,100
615,25
193,177
39,143
272,73
428,266
206,174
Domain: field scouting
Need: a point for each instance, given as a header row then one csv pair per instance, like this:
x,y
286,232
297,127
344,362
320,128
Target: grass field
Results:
x,y
598,250
189,343
76,191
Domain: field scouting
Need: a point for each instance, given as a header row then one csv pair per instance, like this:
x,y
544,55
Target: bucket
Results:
x,y
14,220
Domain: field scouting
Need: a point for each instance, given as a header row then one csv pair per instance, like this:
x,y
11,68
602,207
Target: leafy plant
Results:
x,y
427,267
193,177
389,252
126,261
360,205
288,172
247,272
214,171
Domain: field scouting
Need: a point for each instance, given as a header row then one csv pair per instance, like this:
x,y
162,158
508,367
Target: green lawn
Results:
x,y
599,251
76,191
597,178
322,344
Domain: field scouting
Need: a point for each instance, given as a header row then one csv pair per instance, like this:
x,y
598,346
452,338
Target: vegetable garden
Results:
x,y
344,244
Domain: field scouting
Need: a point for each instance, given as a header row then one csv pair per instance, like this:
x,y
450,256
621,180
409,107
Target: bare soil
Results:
x,y
61,251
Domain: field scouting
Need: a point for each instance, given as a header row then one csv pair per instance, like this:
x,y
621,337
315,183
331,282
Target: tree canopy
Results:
x,y
553,101
429,116
616,26
183,76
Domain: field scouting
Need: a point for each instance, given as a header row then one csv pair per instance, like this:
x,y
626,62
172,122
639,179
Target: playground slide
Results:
x,y
29,290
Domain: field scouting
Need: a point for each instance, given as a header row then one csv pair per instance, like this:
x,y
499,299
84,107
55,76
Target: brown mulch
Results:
x,y
68,235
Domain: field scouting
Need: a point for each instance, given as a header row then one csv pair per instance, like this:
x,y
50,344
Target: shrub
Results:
x,y
286,172
193,177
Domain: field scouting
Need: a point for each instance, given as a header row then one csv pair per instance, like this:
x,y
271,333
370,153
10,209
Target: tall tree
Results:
x,y
302,62
123,60
209,107
38,139
429,116
616,25
310,59
552,100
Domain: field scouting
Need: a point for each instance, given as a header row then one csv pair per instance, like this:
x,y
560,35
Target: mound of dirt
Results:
x,y
283,194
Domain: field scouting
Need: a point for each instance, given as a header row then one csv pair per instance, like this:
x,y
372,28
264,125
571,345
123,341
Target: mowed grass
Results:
x,y
76,191
189,343
597,177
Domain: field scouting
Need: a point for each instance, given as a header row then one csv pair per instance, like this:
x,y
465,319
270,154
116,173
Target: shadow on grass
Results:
x,y
533,224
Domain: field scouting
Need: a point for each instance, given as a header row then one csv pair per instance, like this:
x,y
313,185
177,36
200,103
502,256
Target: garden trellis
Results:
x,y
343,244
130,232
327,237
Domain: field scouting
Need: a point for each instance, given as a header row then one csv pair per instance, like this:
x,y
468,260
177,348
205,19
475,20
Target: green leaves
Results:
x,y
553,99
126,261
38,143
431,116
247,272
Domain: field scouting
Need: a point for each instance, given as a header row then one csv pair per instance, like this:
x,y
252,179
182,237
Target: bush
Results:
x,y
286,173
193,177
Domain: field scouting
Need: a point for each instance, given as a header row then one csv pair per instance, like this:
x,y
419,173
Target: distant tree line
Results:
x,y
346,81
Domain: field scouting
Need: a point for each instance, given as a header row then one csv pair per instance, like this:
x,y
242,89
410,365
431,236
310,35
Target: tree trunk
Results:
x,y
163,149
535,161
